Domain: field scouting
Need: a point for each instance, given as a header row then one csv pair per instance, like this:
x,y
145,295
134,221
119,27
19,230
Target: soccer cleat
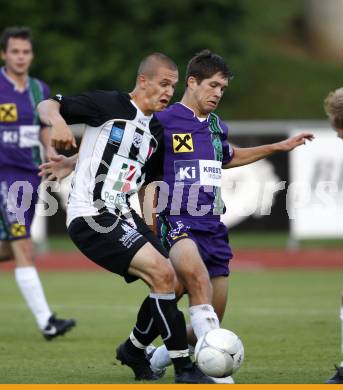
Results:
x,y
149,351
192,374
57,327
139,365
337,378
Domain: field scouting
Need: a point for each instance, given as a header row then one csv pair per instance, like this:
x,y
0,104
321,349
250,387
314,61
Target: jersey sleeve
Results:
x,y
154,167
83,108
228,151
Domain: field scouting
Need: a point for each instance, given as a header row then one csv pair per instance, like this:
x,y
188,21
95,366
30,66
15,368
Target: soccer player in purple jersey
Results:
x,y
333,106
20,135
196,148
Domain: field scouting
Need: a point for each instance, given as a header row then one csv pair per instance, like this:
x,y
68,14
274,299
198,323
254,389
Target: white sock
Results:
x,y
203,319
161,357
30,286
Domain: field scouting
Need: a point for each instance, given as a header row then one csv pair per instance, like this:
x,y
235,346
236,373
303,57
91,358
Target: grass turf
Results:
x,y
288,321
238,240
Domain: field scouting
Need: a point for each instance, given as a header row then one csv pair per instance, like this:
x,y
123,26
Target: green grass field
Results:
x,y
238,240
288,321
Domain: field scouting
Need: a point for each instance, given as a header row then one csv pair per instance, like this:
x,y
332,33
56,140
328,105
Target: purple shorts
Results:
x,y
209,234
17,206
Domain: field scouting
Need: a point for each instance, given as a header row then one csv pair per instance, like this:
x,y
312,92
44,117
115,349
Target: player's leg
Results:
x,y
6,253
21,247
337,378
125,251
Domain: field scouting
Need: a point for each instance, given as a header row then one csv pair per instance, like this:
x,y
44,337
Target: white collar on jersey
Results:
x,y
140,112
15,86
188,108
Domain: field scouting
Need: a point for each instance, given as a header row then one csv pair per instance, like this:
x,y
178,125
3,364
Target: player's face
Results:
x,y
18,56
208,93
160,88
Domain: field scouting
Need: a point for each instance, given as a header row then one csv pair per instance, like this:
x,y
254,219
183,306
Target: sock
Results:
x,y
30,286
203,319
161,359
144,332
172,327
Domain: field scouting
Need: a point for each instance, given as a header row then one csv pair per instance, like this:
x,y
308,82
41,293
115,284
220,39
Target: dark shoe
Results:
x,y
337,378
139,365
192,374
149,351
57,327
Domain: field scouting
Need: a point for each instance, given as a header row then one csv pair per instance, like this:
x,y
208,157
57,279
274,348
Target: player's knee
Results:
x,y
163,276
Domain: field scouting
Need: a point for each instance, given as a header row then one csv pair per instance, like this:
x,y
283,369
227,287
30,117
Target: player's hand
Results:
x,y
62,137
56,169
50,153
295,141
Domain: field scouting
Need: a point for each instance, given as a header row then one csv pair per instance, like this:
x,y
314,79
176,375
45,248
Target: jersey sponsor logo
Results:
x,y
10,137
8,112
18,230
183,143
203,172
116,135
187,171
130,235
126,174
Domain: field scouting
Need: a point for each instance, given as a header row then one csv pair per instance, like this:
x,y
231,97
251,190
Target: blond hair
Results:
x,y
333,105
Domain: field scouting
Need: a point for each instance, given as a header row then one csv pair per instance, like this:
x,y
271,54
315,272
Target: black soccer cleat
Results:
x,y
57,327
192,374
139,365
337,378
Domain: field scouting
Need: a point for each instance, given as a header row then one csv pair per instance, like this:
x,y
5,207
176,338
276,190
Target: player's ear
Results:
x,y
2,55
141,81
192,82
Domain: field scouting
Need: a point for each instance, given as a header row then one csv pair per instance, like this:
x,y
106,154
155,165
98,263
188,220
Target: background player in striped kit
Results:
x,y
120,137
20,133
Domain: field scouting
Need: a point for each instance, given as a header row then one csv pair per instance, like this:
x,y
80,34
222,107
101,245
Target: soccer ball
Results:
x,y
219,353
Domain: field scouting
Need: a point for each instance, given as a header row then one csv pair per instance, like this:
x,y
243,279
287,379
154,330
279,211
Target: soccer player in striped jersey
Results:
x,y
121,136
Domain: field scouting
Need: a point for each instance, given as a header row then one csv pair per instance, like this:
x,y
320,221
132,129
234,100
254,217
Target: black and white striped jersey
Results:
x,y
117,143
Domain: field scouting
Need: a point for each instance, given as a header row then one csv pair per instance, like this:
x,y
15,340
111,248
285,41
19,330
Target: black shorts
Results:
x,y
111,242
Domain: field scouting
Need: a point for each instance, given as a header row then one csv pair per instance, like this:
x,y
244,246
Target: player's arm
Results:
x,y
61,135
244,156
58,167
147,196
45,139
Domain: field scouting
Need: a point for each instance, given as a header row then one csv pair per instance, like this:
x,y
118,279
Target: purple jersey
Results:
x,y
19,123
194,152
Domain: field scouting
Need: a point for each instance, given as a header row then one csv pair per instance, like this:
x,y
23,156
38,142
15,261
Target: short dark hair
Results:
x,y
149,63
14,32
206,64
